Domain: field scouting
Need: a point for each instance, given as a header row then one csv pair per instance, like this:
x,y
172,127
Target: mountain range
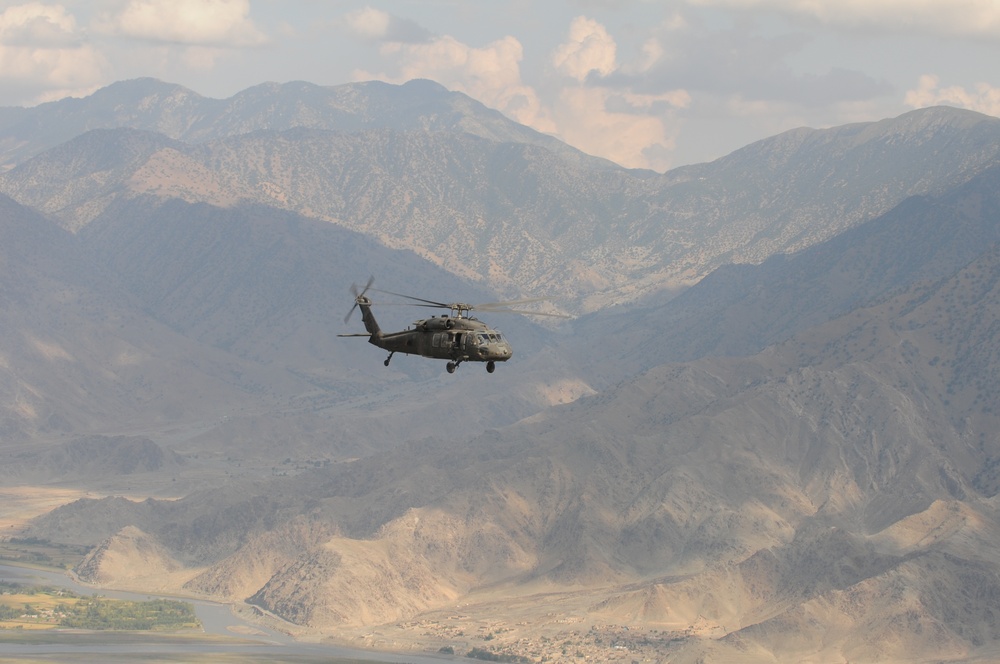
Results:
x,y
769,433
513,215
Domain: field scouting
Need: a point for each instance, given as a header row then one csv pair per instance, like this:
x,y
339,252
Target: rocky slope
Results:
x,y
182,114
837,484
127,557
87,457
828,492
738,310
514,212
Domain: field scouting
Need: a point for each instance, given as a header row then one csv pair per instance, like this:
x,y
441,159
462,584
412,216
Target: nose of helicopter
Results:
x,y
499,352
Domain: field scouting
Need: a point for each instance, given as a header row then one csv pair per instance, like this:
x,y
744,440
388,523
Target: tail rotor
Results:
x,y
357,296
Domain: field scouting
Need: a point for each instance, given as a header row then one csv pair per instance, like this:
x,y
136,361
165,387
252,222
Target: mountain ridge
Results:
x,y
817,479
182,114
517,216
799,504
739,309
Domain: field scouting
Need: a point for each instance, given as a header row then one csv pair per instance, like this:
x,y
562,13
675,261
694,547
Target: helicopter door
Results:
x,y
459,341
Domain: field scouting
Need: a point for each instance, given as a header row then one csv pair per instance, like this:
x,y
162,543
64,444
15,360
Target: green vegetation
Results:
x,y
157,614
35,551
41,607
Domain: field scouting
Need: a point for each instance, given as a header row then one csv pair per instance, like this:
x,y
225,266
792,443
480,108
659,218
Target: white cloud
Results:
x,y
223,23
587,119
490,74
378,25
369,23
984,99
589,49
620,124
43,55
953,17
625,126
38,26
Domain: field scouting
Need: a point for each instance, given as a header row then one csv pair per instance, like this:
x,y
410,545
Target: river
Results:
x,y
216,619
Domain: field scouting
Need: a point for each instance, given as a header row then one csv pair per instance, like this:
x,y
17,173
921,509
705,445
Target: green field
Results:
x,y
42,607
34,551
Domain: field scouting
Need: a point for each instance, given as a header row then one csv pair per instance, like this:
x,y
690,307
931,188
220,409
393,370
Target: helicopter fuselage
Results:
x,y
454,338
448,338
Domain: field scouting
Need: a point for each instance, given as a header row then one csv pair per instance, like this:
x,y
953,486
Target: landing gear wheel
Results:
x,y
451,367
386,363
491,366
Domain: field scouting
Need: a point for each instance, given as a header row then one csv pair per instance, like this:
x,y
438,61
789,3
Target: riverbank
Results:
x,y
225,636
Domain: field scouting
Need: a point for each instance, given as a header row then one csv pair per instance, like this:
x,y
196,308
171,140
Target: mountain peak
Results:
x,y
893,143
424,85
142,87
940,116
182,114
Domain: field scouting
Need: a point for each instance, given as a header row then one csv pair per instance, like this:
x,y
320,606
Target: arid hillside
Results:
x,y
769,434
424,170
843,477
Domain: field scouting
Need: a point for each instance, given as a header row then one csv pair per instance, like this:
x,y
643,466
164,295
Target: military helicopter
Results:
x,y
457,336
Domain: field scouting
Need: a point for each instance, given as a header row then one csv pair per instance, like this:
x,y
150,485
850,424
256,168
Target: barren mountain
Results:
x,y
792,460
79,354
81,459
840,479
216,328
513,211
126,557
184,115
740,309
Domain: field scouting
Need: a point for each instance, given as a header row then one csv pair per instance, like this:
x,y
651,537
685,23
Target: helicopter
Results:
x,y
456,337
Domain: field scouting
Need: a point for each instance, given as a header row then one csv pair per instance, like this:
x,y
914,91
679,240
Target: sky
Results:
x,y
645,83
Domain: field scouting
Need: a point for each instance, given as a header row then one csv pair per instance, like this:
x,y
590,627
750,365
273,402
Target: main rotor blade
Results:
x,y
492,307
523,312
435,305
504,307
511,303
443,305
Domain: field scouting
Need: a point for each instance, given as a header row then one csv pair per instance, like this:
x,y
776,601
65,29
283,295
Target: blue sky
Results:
x,y
653,84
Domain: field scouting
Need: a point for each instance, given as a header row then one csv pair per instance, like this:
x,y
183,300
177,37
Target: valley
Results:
x,y
767,432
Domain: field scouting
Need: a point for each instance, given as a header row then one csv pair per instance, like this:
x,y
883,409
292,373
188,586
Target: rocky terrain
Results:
x,y
794,459
829,479
497,205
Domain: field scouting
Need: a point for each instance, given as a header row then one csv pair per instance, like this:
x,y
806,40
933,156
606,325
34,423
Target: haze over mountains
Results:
x,y
771,429
459,191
